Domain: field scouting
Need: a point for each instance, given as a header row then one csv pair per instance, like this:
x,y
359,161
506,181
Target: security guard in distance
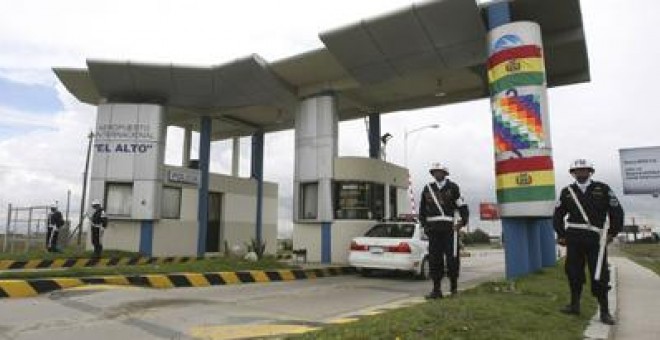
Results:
x,y
440,200
587,203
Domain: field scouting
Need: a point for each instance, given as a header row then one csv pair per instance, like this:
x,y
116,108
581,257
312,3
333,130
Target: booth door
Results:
x,y
213,228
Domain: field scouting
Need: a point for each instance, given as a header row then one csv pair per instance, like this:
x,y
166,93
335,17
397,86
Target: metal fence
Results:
x,y
26,227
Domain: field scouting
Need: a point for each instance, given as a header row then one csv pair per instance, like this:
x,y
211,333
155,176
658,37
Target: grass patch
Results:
x,y
527,308
71,252
201,266
647,255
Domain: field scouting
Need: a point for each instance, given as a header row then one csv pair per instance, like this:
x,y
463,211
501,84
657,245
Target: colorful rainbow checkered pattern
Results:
x,y
517,123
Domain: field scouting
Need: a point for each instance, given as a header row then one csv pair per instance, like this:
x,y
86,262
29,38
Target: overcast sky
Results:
x,y
43,128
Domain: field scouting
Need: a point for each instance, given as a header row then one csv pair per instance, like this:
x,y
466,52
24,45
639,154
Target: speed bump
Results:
x,y
93,262
34,287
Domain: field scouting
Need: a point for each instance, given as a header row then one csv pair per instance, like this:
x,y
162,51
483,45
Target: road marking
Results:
x,y
247,331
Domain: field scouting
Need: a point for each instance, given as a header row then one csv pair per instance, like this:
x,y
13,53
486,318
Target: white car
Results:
x,y
395,245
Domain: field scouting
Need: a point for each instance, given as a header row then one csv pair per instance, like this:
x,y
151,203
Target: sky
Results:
x,y
43,128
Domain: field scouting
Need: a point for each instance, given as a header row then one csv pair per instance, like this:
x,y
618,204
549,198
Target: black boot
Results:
x,y
436,293
454,286
605,316
574,307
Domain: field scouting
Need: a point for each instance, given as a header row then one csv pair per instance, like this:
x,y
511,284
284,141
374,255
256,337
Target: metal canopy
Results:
x,y
439,35
423,55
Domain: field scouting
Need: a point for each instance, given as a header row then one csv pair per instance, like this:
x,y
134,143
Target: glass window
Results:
x,y
171,203
119,198
392,231
309,201
352,200
377,201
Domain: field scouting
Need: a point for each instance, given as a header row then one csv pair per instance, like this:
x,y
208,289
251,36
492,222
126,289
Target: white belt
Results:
x,y
440,218
584,227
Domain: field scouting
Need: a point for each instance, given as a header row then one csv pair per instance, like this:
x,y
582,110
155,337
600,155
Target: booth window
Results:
x,y
309,200
359,200
171,203
119,199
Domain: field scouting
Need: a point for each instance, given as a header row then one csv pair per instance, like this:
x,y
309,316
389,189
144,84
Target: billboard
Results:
x,y
640,170
488,211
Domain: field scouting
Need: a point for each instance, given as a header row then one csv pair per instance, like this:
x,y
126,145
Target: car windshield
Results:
x,y
392,231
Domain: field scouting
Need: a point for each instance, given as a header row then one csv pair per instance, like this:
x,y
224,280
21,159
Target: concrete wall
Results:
x,y
308,236
121,235
370,170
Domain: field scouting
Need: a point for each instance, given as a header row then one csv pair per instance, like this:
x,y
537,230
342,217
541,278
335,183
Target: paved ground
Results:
x,y
639,304
219,312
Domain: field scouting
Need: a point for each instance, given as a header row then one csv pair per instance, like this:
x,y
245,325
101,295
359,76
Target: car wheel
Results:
x,y
366,272
424,271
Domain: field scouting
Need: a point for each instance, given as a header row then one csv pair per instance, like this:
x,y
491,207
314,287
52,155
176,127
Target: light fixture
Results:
x,y
386,137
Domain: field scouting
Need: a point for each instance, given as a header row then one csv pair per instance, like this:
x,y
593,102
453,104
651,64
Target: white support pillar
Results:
x,y
187,140
316,125
235,156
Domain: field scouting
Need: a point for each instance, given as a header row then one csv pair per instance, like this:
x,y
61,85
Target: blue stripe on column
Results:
x,y
258,174
203,188
498,14
146,238
374,136
326,242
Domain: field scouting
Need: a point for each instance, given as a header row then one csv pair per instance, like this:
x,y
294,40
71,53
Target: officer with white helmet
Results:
x,y
440,200
55,222
587,203
99,223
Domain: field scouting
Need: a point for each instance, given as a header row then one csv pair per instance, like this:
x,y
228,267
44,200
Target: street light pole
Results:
x,y
84,188
405,161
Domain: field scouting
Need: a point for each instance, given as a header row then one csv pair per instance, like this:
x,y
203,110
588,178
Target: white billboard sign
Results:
x,y
640,170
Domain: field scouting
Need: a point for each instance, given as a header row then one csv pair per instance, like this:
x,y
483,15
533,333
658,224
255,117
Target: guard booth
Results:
x,y
153,208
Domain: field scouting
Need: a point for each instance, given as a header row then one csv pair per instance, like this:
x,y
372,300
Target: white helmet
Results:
x,y
96,202
437,166
581,163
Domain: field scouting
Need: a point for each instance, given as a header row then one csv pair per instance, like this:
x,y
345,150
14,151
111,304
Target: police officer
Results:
x,y
55,222
440,200
99,223
587,204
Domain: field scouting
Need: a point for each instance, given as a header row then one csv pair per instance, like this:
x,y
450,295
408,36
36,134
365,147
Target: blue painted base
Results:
x,y
529,245
548,243
146,238
516,247
326,242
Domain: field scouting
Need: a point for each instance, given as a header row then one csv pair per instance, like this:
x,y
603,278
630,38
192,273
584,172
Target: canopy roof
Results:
x,y
426,54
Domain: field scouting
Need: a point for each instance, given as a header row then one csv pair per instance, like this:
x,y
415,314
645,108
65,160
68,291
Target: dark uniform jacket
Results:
x,y
99,218
598,201
55,219
449,198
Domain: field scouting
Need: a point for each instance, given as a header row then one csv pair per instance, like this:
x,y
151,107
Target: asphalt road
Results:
x,y
221,312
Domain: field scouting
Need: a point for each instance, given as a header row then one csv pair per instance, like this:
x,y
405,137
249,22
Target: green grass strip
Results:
x,y
527,308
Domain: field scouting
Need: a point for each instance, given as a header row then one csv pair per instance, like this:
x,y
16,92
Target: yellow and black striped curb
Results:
x,y
34,287
93,262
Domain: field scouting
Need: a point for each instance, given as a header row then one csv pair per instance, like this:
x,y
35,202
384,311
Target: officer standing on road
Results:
x,y
440,200
99,223
55,222
587,204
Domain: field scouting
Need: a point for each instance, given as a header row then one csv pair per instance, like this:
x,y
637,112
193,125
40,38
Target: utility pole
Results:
x,y
84,188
